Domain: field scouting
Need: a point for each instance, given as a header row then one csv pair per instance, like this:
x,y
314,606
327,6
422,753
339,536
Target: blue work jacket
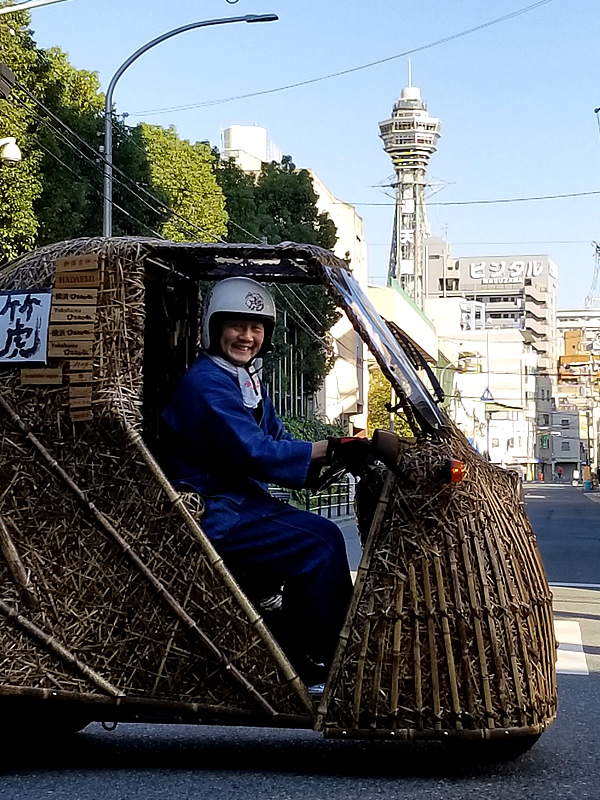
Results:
x,y
212,442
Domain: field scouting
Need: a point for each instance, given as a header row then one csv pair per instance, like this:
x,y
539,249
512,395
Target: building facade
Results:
x,y
501,293
249,146
578,386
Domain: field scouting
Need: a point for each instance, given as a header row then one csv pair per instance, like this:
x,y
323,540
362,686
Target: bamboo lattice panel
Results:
x,y
451,628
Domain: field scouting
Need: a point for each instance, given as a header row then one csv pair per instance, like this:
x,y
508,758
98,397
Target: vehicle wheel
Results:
x,y
489,751
39,724
67,724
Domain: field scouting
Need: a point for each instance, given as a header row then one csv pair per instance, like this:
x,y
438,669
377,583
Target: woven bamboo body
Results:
x,y
109,589
450,629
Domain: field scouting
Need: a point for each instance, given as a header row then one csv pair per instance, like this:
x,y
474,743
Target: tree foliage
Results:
x,y
185,173
380,394
20,186
56,192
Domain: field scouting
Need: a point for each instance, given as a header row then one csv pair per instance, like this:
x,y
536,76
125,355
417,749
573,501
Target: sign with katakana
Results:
x,y
24,320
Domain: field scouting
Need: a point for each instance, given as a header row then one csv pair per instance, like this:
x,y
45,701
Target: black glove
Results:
x,y
351,451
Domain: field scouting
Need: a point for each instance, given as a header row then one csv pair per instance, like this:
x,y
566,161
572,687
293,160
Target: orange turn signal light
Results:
x,y
457,470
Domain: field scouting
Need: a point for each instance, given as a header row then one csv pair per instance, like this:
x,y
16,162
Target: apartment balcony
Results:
x,y
535,294
537,328
535,310
514,304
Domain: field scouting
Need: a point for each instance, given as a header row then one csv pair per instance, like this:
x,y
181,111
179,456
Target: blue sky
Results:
x,y
516,100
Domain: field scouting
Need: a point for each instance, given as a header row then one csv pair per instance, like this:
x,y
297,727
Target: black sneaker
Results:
x,y
316,691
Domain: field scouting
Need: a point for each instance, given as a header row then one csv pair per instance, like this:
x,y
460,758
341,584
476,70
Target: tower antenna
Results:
x,y
593,298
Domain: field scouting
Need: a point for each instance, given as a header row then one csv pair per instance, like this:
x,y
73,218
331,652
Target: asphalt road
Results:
x,y
185,762
567,523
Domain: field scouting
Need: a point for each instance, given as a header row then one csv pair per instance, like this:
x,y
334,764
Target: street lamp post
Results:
x,y
29,4
108,115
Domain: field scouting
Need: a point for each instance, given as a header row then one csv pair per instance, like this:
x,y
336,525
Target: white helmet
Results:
x,y
237,298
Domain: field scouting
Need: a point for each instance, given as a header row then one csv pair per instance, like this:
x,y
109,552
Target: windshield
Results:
x,y
381,342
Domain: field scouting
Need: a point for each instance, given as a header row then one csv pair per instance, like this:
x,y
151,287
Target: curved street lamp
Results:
x,y
26,6
108,114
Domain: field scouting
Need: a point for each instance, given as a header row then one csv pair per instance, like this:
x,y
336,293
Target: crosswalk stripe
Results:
x,y
571,658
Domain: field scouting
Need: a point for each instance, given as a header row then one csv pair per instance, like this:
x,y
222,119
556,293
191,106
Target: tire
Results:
x,y
40,720
489,751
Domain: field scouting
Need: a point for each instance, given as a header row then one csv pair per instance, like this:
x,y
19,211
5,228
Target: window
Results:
x,y
451,284
495,442
565,447
564,423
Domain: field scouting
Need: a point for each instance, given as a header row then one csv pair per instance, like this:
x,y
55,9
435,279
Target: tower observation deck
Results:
x,y
409,138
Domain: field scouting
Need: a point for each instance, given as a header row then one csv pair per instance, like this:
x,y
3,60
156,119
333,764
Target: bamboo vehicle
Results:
x,y
115,605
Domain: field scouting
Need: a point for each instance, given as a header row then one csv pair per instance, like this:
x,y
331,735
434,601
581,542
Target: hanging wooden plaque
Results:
x,y
77,280
80,297
70,349
66,334
81,414
79,365
44,376
77,400
77,263
72,314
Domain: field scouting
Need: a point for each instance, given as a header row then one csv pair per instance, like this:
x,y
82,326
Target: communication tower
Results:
x,y
593,298
409,138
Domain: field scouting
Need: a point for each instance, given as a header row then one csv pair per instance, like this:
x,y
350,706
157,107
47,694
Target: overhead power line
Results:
x,y
487,244
479,202
70,169
78,175
340,73
95,157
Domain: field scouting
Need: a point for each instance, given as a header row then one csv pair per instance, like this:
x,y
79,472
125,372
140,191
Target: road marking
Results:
x,y
571,658
594,497
576,585
535,496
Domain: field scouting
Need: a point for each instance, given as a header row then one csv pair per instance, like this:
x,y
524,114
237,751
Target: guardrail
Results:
x,y
335,501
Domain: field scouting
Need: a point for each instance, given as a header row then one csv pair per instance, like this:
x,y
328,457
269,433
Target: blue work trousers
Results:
x,y
267,542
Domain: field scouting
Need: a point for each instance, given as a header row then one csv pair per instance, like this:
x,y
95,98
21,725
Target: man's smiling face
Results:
x,y
241,340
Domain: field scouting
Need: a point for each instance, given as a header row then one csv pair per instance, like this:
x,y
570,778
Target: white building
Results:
x,y
505,292
578,387
344,394
249,146
490,386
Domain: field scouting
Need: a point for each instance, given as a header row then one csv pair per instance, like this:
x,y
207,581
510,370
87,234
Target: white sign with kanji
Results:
x,y
24,318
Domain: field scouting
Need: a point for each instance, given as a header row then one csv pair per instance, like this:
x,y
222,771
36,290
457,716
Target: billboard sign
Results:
x,y
24,320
